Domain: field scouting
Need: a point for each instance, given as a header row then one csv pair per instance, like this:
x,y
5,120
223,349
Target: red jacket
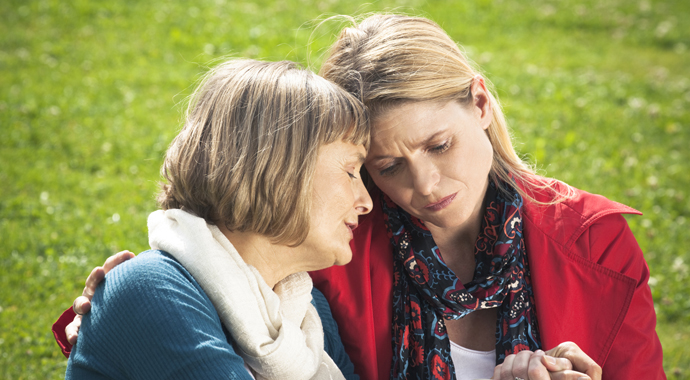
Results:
x,y
588,274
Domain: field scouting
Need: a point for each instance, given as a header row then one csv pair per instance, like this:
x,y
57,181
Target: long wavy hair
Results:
x,y
387,59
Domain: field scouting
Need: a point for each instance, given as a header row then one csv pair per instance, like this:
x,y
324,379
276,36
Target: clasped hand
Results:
x,y
563,362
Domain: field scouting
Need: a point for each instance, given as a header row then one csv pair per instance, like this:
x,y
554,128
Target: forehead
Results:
x,y
411,123
342,152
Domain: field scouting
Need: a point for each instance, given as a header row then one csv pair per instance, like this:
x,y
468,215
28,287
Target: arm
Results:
x,y
66,328
636,351
151,320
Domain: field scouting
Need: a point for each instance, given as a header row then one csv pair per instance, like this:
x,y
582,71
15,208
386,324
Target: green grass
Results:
x,y
91,92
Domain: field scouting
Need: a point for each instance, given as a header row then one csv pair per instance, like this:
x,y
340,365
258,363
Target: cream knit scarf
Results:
x,y
278,330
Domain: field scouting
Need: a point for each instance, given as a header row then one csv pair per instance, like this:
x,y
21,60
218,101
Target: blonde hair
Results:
x,y
247,152
386,60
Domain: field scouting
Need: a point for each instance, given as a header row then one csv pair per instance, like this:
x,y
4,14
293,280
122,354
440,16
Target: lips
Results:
x,y
351,227
440,205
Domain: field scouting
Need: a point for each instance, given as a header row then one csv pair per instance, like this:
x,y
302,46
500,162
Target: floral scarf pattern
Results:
x,y
426,292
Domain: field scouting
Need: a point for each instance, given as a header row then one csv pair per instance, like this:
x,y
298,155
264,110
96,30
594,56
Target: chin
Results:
x,y
333,257
453,219
343,257
343,260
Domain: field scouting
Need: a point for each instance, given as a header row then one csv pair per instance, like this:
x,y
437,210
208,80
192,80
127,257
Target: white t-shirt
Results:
x,y
471,364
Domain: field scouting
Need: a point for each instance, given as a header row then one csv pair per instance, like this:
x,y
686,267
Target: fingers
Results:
x,y
116,260
564,362
97,275
520,365
554,364
82,305
525,365
580,361
507,368
497,372
536,368
72,330
568,375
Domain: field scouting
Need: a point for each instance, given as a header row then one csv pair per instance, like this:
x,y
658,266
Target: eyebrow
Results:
x,y
415,145
355,159
360,158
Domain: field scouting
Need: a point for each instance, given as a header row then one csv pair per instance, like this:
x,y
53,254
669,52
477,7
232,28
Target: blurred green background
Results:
x,y
91,93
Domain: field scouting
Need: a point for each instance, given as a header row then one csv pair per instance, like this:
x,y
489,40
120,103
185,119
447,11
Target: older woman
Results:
x,y
469,258
262,185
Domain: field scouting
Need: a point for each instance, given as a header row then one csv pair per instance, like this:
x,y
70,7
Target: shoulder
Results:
x,y
151,319
578,202
323,308
321,304
150,265
567,220
152,279
319,300
153,284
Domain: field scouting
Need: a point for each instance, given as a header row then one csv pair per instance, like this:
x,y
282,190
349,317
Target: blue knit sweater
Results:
x,y
151,320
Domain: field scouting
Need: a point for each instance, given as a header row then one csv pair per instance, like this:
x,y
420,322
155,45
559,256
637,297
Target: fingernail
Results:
x,y
551,360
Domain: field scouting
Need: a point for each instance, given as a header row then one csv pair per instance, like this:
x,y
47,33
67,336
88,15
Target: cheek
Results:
x,y
319,212
341,204
487,155
398,193
476,160
334,201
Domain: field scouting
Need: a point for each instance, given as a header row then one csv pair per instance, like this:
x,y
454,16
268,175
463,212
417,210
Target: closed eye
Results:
x,y
351,175
440,148
389,170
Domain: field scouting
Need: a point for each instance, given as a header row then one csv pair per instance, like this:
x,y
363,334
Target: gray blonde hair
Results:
x,y
247,152
386,60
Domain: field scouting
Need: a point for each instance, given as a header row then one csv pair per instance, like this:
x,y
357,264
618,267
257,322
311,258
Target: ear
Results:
x,y
481,101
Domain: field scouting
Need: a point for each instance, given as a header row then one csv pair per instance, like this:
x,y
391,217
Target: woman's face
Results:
x,y
433,159
338,198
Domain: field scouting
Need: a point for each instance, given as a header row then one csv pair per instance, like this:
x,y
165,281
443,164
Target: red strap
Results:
x,y
59,331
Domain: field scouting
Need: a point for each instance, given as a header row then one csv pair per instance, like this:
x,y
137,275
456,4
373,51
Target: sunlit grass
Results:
x,y
91,93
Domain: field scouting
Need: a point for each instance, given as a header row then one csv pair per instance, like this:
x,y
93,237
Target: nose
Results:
x,y
425,176
363,202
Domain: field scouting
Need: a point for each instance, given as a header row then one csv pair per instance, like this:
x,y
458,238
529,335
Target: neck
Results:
x,y
273,261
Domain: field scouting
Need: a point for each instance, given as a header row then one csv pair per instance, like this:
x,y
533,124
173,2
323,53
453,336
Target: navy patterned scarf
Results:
x,y
426,291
